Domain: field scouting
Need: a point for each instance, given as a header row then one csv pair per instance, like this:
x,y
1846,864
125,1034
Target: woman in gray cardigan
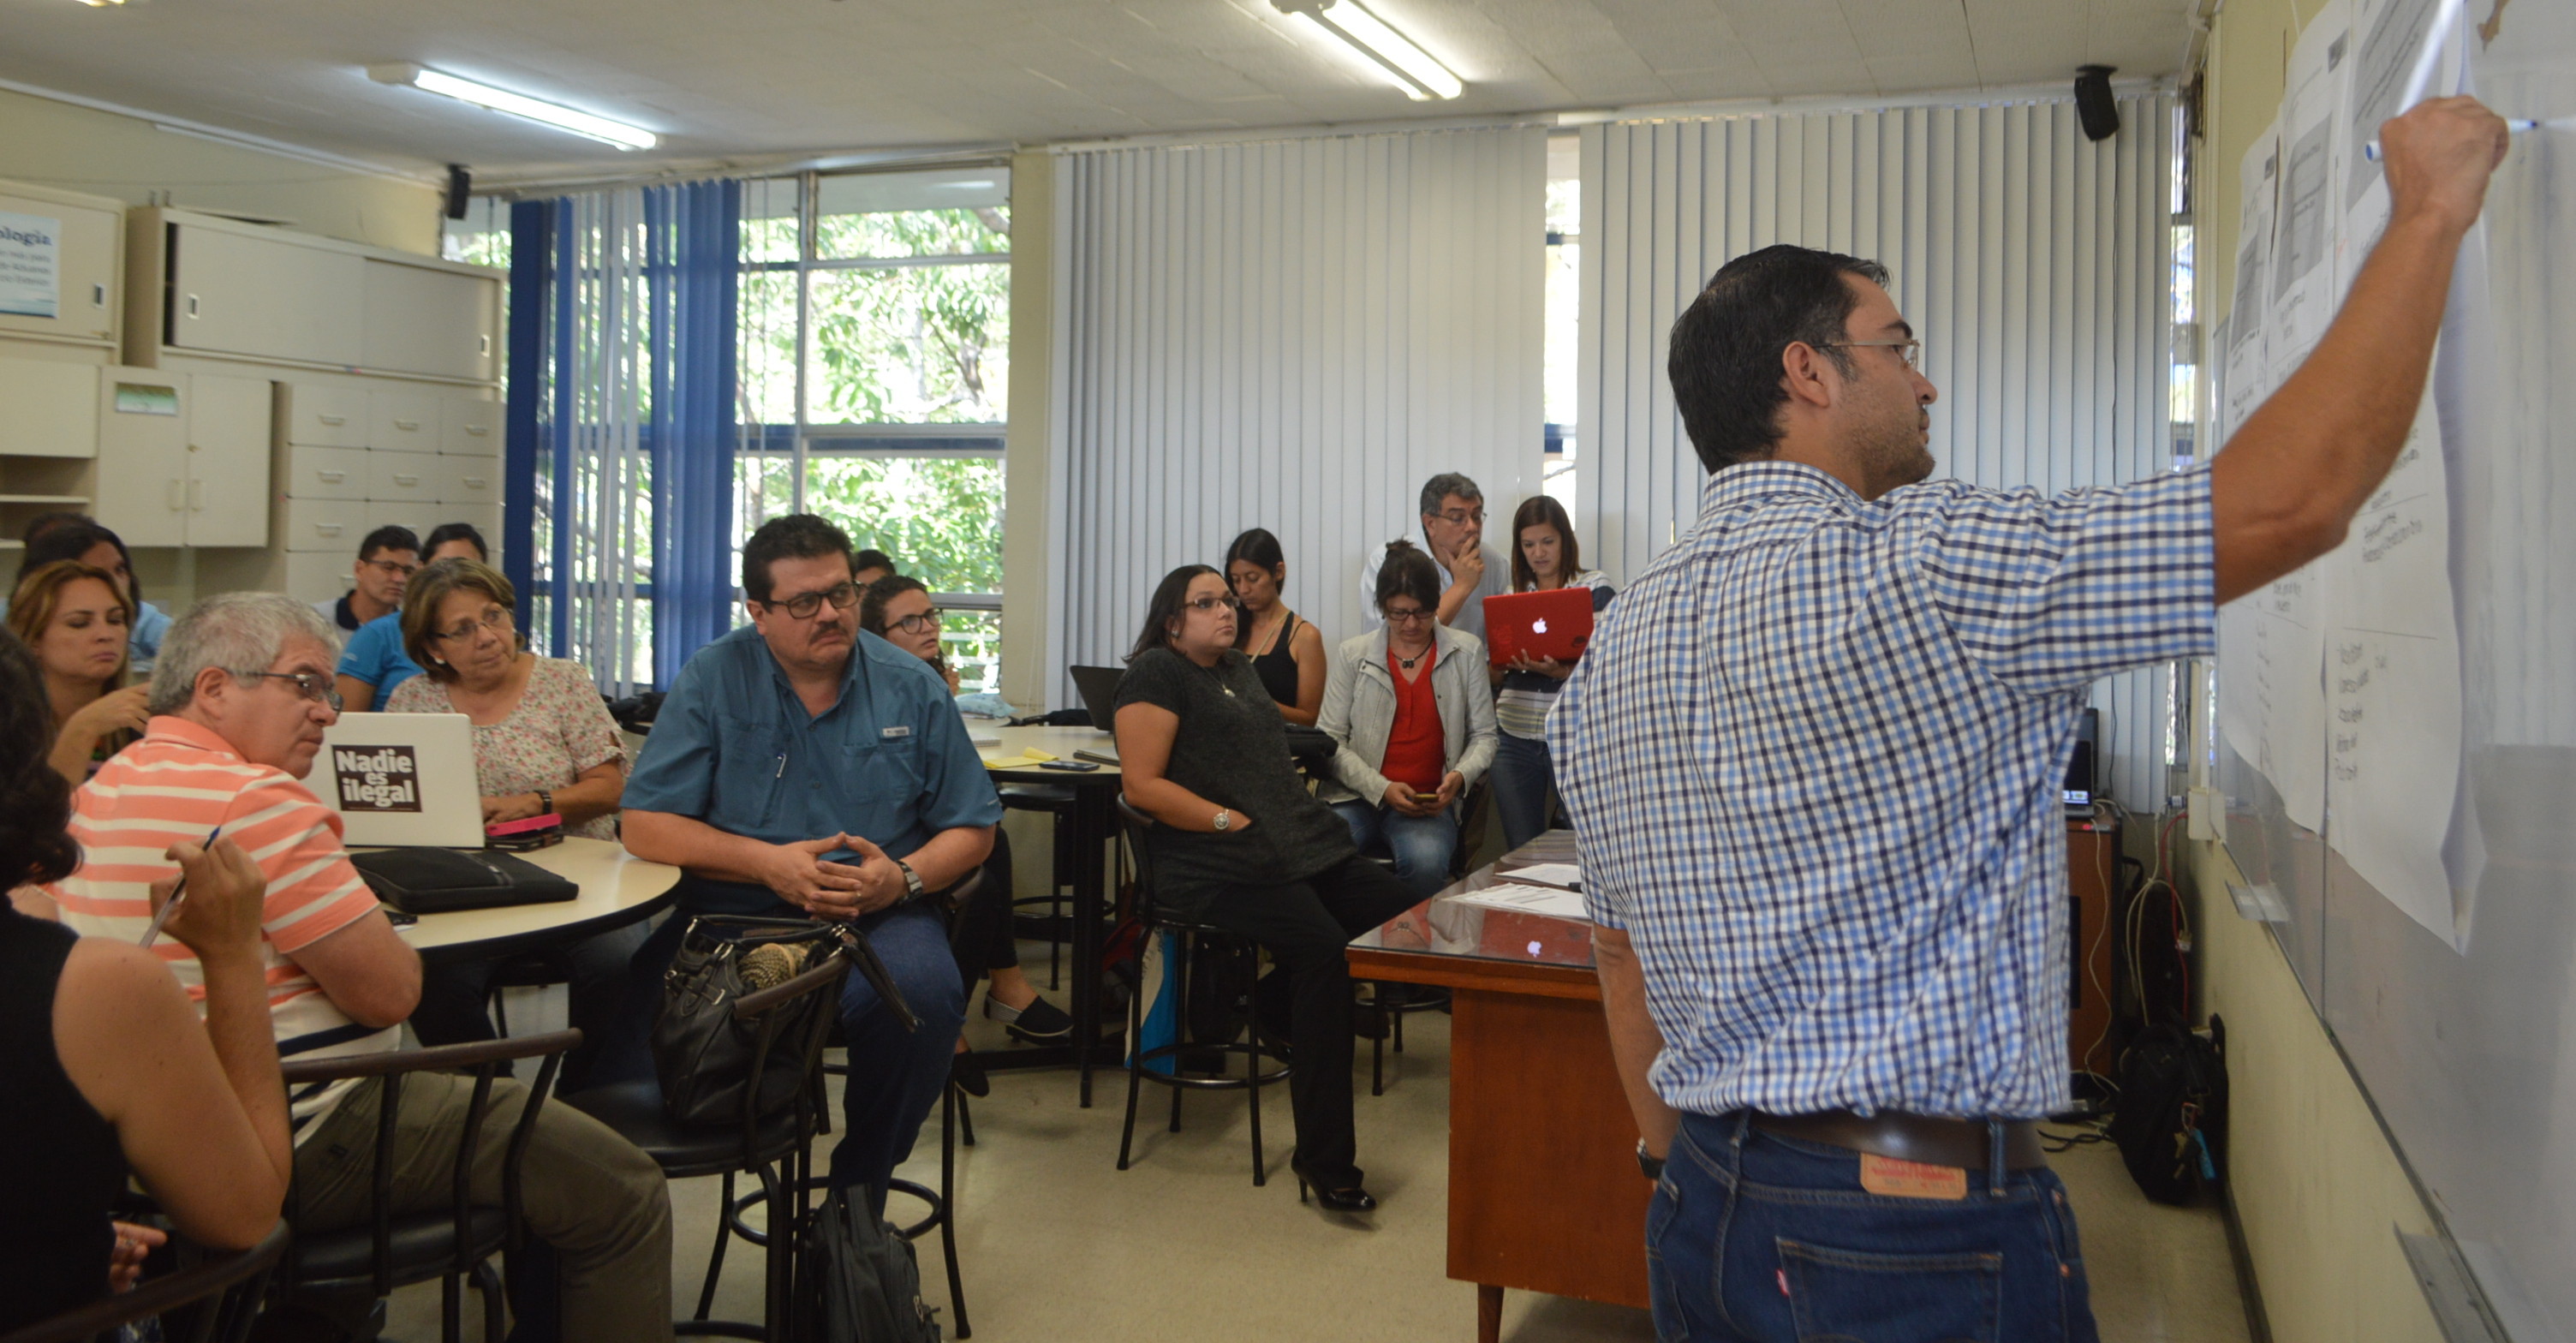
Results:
x,y
1413,709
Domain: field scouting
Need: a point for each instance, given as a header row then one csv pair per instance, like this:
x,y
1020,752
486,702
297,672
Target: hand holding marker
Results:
x,y
177,894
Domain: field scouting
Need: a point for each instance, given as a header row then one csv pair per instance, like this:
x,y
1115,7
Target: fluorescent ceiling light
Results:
x,y
580,123
1417,72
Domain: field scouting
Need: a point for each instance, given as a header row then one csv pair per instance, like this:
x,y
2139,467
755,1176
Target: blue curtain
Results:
x,y
693,233
622,371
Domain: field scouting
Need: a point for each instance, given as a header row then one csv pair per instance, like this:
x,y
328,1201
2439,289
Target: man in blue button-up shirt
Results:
x,y
802,768
1813,759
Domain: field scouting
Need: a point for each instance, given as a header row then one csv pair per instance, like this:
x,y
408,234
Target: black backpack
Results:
x,y
861,1283
2171,1124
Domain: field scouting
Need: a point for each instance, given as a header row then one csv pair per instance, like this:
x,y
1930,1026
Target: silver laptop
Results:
x,y
401,780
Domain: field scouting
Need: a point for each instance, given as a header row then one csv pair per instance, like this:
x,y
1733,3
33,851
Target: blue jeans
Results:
x,y
1421,845
1753,1238
1522,780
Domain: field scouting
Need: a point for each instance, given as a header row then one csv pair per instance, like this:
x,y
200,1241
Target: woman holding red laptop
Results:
x,y
1544,556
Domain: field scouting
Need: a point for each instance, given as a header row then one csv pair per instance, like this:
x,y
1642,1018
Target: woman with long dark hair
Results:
x,y
1243,846
1287,653
1544,555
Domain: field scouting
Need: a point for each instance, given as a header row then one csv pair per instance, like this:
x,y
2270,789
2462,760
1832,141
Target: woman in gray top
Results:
x,y
1243,846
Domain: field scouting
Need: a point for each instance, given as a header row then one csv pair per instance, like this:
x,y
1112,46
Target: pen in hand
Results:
x,y
178,893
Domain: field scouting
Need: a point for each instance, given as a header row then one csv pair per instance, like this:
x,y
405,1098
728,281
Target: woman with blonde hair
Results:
x,y
74,618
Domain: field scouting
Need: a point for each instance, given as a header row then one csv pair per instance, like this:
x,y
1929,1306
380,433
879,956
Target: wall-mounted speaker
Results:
x,y
460,186
2093,103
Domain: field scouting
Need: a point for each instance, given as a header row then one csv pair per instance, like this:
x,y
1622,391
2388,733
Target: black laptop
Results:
x,y
1098,687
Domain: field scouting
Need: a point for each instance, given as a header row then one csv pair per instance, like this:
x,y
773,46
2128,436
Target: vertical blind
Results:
x,y
1294,335
2034,265
622,359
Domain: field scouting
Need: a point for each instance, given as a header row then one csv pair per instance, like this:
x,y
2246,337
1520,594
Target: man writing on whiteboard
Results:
x,y
1838,1008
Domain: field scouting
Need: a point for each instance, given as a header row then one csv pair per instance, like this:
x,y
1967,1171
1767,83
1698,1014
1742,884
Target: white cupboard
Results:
x,y
183,458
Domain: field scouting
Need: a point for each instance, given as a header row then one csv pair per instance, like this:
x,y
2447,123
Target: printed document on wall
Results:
x,y
2393,35
2271,649
2248,378
2312,127
2393,684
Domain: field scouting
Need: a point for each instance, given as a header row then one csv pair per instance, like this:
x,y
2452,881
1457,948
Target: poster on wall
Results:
x,y
31,257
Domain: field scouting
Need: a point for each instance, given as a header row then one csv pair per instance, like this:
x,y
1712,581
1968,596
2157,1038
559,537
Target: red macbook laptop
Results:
x,y
1554,623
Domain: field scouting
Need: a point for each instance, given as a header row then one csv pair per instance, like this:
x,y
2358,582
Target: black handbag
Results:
x,y
703,1056
437,881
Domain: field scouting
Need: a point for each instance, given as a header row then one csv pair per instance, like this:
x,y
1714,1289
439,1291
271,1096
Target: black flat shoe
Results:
x,y
1352,1199
1039,1023
968,1076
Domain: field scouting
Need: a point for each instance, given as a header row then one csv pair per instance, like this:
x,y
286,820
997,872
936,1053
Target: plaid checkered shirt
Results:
x,y
1814,758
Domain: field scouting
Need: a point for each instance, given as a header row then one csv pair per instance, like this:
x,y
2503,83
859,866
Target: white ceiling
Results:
x,y
743,78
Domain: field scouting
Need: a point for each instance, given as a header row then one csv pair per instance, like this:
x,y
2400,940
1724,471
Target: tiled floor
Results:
x,y
1059,1245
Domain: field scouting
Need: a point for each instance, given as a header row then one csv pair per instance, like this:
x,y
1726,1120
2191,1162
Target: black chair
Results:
x,y
393,1250
797,1016
1182,1051
224,1289
1056,922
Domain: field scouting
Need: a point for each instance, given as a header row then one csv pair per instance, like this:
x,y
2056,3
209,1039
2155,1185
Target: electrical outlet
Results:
x,y
2208,815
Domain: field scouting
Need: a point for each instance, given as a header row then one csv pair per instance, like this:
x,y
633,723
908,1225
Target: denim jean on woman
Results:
x,y
1524,785
1421,845
1753,1237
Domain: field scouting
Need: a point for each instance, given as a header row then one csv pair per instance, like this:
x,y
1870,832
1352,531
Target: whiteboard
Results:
x,y
2397,724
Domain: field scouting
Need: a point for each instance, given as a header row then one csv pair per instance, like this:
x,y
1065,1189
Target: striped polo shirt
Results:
x,y
178,783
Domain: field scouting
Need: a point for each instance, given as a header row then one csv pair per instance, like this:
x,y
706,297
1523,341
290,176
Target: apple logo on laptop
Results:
x,y
1538,626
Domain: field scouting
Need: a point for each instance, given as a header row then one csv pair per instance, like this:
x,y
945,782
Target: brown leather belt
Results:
x,y
1910,1137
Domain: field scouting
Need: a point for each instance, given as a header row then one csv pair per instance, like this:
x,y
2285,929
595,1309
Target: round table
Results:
x,y
617,888
1095,828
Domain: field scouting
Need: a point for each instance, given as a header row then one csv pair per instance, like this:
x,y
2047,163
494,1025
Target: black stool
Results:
x,y
1151,921
1057,800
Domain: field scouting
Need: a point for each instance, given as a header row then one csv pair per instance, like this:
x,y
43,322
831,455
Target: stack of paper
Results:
x,y
1548,900
1566,875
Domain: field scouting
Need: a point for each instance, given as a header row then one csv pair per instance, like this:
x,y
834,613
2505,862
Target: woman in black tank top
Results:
x,y
1287,653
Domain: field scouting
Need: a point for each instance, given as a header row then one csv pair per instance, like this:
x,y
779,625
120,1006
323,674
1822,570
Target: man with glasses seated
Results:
x,y
239,702
1453,531
375,664
800,768
386,560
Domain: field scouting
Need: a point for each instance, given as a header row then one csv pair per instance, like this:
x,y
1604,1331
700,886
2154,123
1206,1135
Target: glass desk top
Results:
x,y
1446,926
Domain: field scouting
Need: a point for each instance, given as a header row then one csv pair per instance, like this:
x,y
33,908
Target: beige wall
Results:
x,y
104,154
1026,541
2317,1187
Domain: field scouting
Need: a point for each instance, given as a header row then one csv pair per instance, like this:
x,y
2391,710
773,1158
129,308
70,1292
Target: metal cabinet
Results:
x,y
183,458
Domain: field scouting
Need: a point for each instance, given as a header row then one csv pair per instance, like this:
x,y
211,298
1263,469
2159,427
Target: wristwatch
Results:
x,y
1224,819
1651,1164
545,803
912,887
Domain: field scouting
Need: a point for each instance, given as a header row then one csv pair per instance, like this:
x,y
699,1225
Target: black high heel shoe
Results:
x,y
1353,1199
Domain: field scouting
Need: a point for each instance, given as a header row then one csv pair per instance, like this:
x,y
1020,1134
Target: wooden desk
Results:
x,y
1095,827
1544,1191
617,888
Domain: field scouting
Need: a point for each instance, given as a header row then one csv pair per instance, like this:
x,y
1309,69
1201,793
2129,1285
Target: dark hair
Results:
x,y
1407,572
873,558
389,537
455,531
1726,346
70,536
797,536
1447,483
1257,546
46,522
1540,510
873,599
1165,607
35,802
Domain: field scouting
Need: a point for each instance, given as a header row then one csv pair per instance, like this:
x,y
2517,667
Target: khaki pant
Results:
x,y
598,1200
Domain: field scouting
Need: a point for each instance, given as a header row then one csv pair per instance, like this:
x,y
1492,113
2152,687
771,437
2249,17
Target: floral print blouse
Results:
x,y
559,728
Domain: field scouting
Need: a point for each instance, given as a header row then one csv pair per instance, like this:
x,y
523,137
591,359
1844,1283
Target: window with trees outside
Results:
x,y
874,376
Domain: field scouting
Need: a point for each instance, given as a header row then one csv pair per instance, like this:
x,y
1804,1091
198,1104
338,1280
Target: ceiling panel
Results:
x,y
754,77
